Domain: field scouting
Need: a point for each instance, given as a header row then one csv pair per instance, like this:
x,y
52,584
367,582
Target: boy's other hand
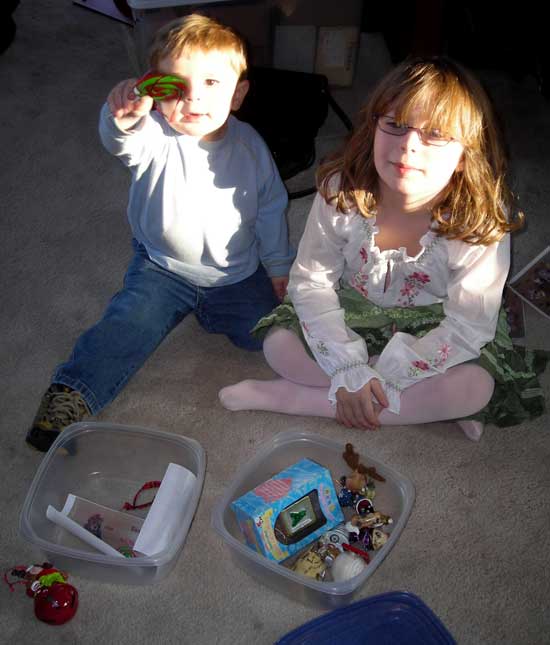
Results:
x,y
280,283
125,105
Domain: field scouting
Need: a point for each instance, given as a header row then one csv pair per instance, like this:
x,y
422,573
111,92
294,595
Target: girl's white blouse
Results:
x,y
340,249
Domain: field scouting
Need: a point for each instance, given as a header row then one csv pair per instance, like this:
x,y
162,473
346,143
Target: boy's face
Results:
x,y
213,90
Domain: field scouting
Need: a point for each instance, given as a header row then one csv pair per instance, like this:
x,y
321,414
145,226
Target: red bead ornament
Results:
x,y
55,601
57,604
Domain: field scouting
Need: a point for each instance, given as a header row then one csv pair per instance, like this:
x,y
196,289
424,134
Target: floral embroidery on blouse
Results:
x,y
320,345
411,288
322,348
360,279
440,358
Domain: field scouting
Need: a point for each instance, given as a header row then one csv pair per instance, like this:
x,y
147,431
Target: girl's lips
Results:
x,y
404,169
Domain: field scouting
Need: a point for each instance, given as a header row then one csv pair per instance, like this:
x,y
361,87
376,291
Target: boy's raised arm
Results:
x,y
127,108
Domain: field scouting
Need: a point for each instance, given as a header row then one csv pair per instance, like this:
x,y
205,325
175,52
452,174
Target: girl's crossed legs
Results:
x,y
303,390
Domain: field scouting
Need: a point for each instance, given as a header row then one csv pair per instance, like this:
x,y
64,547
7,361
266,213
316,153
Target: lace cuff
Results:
x,y
351,376
354,375
393,392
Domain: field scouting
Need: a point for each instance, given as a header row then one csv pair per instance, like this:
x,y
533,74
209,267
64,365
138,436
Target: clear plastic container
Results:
x,y
107,464
394,497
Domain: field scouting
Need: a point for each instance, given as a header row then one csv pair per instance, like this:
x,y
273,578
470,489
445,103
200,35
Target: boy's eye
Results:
x,y
211,81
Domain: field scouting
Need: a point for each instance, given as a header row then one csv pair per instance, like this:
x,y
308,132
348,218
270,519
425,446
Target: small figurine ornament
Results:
x,y
370,520
336,536
328,552
55,601
357,481
364,505
378,538
310,564
347,565
345,496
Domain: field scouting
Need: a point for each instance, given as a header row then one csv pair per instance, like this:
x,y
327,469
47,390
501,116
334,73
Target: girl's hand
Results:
x,y
125,105
361,409
280,284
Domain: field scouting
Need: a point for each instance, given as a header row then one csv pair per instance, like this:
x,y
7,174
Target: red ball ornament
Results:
x,y
57,604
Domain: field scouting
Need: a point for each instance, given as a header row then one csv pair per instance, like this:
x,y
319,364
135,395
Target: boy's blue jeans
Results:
x,y
151,303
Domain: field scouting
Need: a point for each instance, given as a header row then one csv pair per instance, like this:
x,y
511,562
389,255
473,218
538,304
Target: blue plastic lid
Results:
x,y
395,618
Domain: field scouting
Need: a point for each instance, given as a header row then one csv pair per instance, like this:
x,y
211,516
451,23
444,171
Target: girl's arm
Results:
x,y
319,265
474,296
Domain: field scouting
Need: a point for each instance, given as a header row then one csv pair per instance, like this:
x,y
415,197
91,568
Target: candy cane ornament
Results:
x,y
160,86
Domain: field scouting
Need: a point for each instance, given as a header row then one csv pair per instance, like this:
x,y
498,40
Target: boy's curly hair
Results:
x,y
476,206
198,33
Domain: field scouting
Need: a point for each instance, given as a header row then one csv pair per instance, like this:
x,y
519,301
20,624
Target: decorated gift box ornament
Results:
x,y
282,515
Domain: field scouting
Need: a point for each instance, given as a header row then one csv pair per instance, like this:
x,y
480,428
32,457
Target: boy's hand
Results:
x,y
126,106
361,409
280,283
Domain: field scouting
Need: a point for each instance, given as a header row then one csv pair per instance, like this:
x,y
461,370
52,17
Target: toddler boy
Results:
x,y
207,214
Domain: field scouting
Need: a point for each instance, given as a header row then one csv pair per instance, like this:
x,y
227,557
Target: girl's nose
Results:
x,y
411,140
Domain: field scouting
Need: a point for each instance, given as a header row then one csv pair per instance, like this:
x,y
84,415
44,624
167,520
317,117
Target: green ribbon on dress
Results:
x,y
518,396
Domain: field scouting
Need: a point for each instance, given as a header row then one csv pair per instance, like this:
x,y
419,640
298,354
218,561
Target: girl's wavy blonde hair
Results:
x,y
198,33
476,206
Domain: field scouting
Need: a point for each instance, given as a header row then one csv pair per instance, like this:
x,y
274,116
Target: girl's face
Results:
x,y
213,89
410,169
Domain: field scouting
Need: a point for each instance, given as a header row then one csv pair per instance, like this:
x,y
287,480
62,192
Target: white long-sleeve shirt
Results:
x,y
468,279
208,211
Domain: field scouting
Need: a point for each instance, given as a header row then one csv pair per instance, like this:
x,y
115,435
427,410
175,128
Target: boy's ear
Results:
x,y
238,95
460,165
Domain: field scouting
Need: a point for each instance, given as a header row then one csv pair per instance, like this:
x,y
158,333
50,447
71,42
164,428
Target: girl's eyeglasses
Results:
x,y
389,125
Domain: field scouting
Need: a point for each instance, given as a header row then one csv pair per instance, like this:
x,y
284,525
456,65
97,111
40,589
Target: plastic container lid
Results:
x,y
395,618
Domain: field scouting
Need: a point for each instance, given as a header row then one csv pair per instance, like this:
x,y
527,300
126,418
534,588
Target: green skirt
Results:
x,y
518,395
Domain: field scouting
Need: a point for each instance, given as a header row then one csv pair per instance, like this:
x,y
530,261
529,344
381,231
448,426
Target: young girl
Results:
x,y
398,282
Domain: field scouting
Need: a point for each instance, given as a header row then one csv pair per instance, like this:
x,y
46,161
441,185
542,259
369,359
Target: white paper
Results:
x,y
65,522
117,528
167,511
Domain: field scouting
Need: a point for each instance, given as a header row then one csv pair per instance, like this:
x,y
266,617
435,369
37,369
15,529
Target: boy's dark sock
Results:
x,y
60,406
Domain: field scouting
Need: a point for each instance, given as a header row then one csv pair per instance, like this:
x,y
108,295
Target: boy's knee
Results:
x,y
248,342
